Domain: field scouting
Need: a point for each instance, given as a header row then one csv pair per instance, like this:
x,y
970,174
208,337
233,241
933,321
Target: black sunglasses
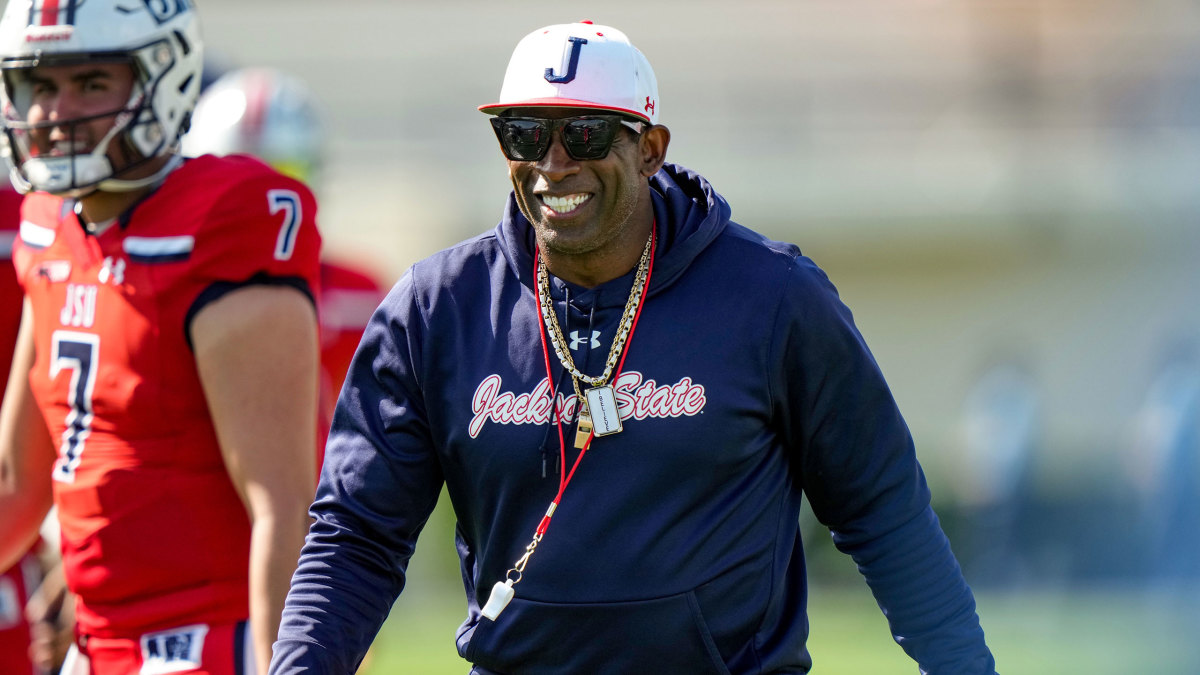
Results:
x,y
526,139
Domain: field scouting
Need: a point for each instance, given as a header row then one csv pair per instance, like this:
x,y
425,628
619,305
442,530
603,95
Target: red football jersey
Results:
x,y
15,583
10,292
349,297
154,534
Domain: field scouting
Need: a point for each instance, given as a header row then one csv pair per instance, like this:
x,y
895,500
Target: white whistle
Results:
x,y
502,593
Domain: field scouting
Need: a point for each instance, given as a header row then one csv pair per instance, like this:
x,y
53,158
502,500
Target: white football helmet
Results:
x,y
261,112
160,39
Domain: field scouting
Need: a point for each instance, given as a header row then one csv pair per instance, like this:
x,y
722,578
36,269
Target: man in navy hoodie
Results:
x,y
626,394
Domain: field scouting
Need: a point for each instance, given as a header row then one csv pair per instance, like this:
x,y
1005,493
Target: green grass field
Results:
x,y
1101,632
1033,631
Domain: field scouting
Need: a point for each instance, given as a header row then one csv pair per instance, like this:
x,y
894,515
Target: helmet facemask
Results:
x,y
134,140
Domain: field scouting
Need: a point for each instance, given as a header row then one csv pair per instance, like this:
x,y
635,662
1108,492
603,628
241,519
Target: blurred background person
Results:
x,y
1001,432
273,115
1165,468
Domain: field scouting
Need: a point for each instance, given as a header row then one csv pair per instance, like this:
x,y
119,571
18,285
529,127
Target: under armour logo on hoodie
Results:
x,y
576,340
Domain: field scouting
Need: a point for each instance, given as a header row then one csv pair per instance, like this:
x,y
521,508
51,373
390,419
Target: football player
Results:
x,y
169,342
274,116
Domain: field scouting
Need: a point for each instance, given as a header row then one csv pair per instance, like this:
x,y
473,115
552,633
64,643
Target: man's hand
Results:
x,y
51,616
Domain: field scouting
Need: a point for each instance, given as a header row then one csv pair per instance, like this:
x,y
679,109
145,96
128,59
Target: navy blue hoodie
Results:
x,y
676,548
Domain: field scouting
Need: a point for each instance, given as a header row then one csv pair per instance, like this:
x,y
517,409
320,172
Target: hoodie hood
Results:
x,y
689,214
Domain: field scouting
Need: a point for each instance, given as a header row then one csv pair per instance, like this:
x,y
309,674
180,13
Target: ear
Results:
x,y
653,145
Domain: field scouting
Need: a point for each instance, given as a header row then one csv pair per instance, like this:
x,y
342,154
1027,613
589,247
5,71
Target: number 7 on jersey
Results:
x,y
288,202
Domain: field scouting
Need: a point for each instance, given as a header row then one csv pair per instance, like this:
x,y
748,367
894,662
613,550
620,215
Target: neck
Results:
x,y
615,259
103,205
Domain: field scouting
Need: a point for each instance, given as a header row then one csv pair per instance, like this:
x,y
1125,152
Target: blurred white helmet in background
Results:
x,y
160,40
262,112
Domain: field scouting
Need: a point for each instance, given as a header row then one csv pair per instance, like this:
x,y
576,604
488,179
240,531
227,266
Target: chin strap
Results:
x,y
129,185
18,181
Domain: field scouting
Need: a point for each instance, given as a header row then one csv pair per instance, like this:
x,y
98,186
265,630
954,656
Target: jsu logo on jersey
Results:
x,y
79,310
173,651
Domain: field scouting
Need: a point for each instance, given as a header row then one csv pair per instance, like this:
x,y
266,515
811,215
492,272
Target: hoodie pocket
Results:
x,y
665,635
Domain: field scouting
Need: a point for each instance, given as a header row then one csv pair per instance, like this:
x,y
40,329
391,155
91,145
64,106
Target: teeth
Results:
x,y
71,147
564,204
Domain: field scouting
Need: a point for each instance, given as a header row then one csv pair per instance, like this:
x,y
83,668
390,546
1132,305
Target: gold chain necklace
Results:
x,y
601,396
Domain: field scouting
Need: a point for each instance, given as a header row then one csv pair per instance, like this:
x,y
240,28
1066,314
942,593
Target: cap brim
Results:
x,y
499,108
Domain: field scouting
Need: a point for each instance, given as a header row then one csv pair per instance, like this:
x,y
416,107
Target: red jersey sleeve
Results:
x,y
259,231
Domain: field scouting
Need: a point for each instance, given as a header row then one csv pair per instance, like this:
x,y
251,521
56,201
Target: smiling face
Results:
x,y
589,216
92,93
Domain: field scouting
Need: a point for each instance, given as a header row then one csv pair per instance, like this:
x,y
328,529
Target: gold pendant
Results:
x,y
583,431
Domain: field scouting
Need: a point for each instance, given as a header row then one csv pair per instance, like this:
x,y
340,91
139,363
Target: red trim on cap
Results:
x,y
497,108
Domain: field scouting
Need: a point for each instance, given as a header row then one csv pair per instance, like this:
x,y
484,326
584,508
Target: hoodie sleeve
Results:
x,y
379,483
860,473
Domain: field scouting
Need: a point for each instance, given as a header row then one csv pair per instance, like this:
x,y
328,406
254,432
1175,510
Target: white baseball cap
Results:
x,y
579,65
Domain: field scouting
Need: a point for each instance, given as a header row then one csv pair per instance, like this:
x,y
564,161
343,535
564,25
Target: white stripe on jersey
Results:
x,y
36,235
154,247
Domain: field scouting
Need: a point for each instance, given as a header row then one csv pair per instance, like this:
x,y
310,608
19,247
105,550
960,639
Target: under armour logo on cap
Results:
x,y
579,65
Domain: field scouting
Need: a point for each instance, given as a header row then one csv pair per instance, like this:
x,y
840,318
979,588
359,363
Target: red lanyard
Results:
x,y
503,591
564,480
